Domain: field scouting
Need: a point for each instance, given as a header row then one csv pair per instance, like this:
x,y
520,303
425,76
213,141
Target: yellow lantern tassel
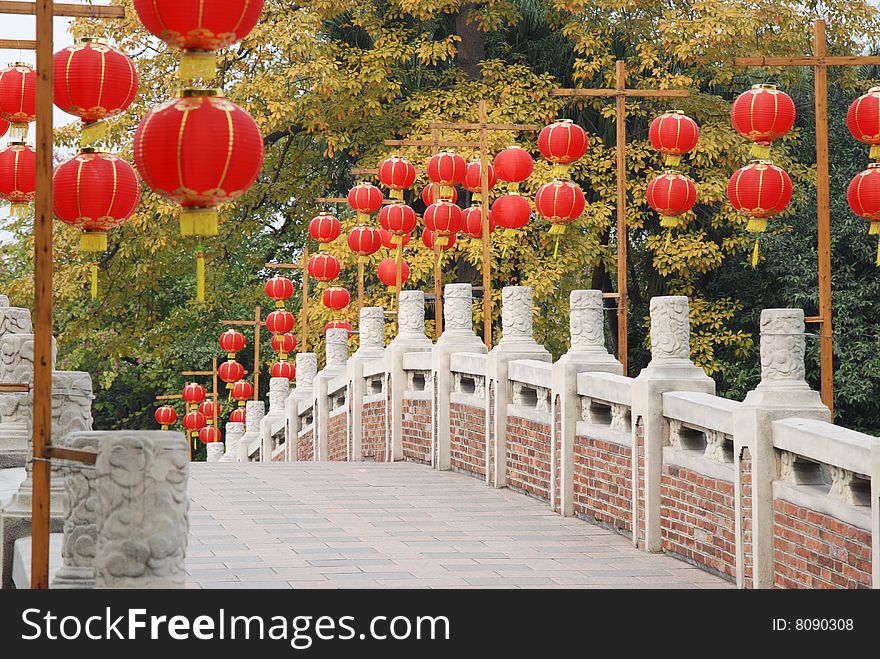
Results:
x,y
874,230
198,64
557,229
94,269
18,132
877,262
446,192
755,254
363,218
200,274
199,222
93,241
476,198
559,171
673,161
93,132
757,225
164,427
668,221
396,194
513,186
874,153
19,210
760,151
556,249
668,239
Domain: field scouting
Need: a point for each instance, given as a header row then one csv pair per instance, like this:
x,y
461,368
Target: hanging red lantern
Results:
x,y
761,115
242,391
93,82
365,199
512,211
280,321
194,393
562,143
364,241
324,267
199,28
447,169
18,171
283,370
863,196
238,415
387,273
207,408
399,219
279,289
759,190
337,324
428,195
336,298
230,372
210,435
325,228
473,180
673,134
194,422
18,98
390,241
165,416
284,344
447,242
398,174
232,342
671,194
559,202
472,222
514,165
443,218
863,120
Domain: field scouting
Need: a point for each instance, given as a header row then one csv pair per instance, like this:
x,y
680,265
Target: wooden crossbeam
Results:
x,y
62,453
451,125
361,171
14,388
18,44
64,9
170,397
847,60
451,144
627,93
331,200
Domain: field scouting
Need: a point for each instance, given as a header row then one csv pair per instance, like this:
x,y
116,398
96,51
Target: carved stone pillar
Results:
x,y
255,410
306,370
14,320
337,358
234,433
371,329
143,513
411,314
372,347
279,390
336,348
215,451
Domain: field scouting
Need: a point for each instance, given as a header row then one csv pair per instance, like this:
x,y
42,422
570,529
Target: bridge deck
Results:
x,y
402,525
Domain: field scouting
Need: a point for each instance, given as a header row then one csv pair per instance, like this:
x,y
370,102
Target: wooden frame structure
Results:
x,y
257,324
304,312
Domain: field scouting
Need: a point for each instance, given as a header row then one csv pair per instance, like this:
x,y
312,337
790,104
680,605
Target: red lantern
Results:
x,y
365,198
325,228
863,196
93,82
428,195
283,370
562,142
473,179
230,372
364,241
387,272
398,174
210,435
194,422
761,115
165,416
673,134
390,241
18,171
512,211
560,202
514,165
324,267
200,151
194,393
446,242
280,321
242,391
760,190
337,324
399,219
448,169
238,415
472,222
284,344
18,97
231,342
199,28
207,408
336,298
279,289
671,194
95,192
863,120
443,218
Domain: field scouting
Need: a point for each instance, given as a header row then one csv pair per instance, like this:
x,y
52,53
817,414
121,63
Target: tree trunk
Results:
x,y
472,48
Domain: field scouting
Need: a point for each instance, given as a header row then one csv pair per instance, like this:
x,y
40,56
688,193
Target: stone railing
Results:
x,y
469,438
417,433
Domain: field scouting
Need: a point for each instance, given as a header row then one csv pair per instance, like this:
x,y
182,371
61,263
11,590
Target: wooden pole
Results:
x,y
399,283
360,287
484,216
258,323
438,289
304,313
216,394
622,233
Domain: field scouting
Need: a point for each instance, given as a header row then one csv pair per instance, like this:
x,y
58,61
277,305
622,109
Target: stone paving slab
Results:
x,y
401,525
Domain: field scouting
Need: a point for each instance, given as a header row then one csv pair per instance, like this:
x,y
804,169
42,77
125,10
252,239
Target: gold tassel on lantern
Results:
x,y
874,230
18,132
757,225
760,151
92,133
200,274
363,218
199,222
874,153
198,64
560,171
19,209
93,241
755,253
672,161
396,194
94,269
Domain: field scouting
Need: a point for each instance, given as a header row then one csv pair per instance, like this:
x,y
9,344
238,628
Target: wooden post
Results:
x,y
438,289
360,287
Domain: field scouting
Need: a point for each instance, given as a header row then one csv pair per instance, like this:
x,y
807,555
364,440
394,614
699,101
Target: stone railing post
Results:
x,y
142,523
458,336
517,342
410,338
279,390
371,334
306,370
587,353
215,451
336,343
255,410
670,369
234,433
782,393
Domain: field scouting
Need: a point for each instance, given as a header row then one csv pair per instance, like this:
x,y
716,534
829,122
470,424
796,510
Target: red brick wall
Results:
x,y
373,424
528,457
640,445
557,454
745,475
491,431
468,439
814,550
304,447
337,442
417,430
602,477
697,519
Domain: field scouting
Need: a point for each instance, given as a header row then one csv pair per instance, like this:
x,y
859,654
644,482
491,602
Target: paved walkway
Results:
x,y
402,525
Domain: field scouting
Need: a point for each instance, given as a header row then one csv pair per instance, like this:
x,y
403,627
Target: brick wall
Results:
x,y
304,447
602,478
468,439
337,441
373,439
814,550
557,454
491,437
697,519
528,457
640,493
745,476
417,430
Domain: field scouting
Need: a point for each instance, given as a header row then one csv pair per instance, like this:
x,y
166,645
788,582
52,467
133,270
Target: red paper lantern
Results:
x,y
231,342
93,82
473,179
447,242
207,408
18,171
283,343
324,267
280,321
512,211
428,195
199,28
95,191
514,165
242,391
238,415
863,196
337,324
390,241
472,222
399,219
230,372
18,97
283,370
673,134
210,435
398,174
279,289
671,194
165,416
365,198
562,142
200,151
387,272
448,169
194,393
336,298
761,115
364,241
194,422
560,202
325,228
760,190
863,120
443,218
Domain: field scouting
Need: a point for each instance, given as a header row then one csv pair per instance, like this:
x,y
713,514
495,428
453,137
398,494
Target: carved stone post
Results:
x,y
337,356
215,451
273,422
143,520
255,410
782,393
371,331
517,342
234,433
587,353
306,370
